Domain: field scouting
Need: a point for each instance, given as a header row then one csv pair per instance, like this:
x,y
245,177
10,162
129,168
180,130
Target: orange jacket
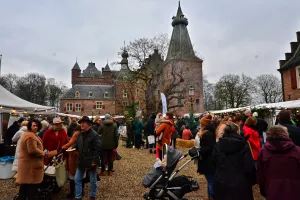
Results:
x,y
167,128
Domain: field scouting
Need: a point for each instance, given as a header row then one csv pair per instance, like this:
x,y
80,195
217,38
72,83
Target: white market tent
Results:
x,y
279,105
9,101
230,110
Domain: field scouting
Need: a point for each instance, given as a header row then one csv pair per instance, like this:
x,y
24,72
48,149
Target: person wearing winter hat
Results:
x,y
207,143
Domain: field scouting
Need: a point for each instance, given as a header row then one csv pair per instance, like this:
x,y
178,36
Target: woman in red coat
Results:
x,y
253,136
55,137
166,128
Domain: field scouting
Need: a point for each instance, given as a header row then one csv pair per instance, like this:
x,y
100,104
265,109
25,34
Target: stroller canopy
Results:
x,y
173,156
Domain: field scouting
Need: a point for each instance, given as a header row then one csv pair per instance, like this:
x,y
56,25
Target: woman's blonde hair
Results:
x,y
24,123
96,118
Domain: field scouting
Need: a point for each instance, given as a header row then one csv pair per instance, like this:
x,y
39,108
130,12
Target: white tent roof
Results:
x,y
230,110
11,101
280,105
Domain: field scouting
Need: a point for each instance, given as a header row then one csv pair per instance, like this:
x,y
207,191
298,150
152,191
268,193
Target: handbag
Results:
x,y
61,174
151,139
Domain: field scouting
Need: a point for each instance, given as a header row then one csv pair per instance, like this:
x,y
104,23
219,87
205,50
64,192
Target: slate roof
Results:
x,y
180,43
293,62
97,90
106,68
76,66
91,71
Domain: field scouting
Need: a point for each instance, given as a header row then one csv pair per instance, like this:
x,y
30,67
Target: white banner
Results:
x,y
164,104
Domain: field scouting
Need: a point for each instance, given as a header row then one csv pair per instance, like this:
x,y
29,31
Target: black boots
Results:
x,y
71,194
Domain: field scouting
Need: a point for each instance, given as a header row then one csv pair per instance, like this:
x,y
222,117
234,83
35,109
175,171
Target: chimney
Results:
x,y
281,63
298,36
294,46
288,56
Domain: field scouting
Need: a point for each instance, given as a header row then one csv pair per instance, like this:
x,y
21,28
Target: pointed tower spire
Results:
x,y
180,44
76,66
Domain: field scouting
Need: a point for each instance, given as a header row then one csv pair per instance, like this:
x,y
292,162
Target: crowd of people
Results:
x,y
234,153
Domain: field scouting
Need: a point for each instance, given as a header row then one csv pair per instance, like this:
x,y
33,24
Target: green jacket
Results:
x,y
138,127
88,145
108,132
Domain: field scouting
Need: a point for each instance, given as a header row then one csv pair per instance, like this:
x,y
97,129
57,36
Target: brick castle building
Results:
x,y
96,92
290,72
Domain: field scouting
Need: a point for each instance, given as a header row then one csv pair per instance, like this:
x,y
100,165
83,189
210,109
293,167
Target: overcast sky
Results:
x,y
232,36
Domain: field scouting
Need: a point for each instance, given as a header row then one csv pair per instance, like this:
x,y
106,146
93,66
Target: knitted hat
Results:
x,y
205,121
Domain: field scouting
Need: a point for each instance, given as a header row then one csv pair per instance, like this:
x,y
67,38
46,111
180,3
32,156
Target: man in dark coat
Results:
x,y
234,166
88,145
149,130
278,166
129,128
11,131
293,130
108,132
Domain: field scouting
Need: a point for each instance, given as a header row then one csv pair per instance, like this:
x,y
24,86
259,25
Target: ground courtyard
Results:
x,y
125,183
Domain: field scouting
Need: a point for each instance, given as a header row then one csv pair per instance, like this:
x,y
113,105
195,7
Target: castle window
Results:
x,y
90,94
77,94
298,76
78,107
99,105
197,101
69,107
137,92
105,94
125,93
125,103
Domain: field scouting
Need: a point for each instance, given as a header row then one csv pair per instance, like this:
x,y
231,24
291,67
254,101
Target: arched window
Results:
x,y
125,78
77,94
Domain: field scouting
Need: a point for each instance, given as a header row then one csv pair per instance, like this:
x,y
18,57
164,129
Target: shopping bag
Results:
x,y
151,139
61,174
49,170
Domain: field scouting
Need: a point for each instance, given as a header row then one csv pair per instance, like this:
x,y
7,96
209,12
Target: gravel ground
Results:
x,y
125,183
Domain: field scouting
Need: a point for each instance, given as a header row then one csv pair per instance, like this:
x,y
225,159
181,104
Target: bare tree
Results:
x,y
141,48
269,88
209,95
9,82
32,87
234,90
145,67
55,92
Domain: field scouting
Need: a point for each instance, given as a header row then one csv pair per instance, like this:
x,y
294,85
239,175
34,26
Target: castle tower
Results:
x,y
181,59
76,71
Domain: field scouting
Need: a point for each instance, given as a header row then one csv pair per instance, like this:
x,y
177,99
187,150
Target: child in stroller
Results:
x,y
163,183
49,184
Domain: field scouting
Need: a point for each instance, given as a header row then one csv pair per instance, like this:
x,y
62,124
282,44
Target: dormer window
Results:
x,y
90,94
77,94
105,94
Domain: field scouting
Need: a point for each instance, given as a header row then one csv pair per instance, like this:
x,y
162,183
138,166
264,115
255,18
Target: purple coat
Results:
x,y
278,172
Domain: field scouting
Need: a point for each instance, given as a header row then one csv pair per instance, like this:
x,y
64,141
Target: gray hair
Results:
x,y
107,116
277,131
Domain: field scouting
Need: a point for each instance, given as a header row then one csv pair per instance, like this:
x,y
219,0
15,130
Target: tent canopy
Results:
x,y
10,101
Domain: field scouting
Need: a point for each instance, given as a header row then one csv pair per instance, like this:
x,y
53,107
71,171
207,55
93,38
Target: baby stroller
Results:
x,y
49,185
164,183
